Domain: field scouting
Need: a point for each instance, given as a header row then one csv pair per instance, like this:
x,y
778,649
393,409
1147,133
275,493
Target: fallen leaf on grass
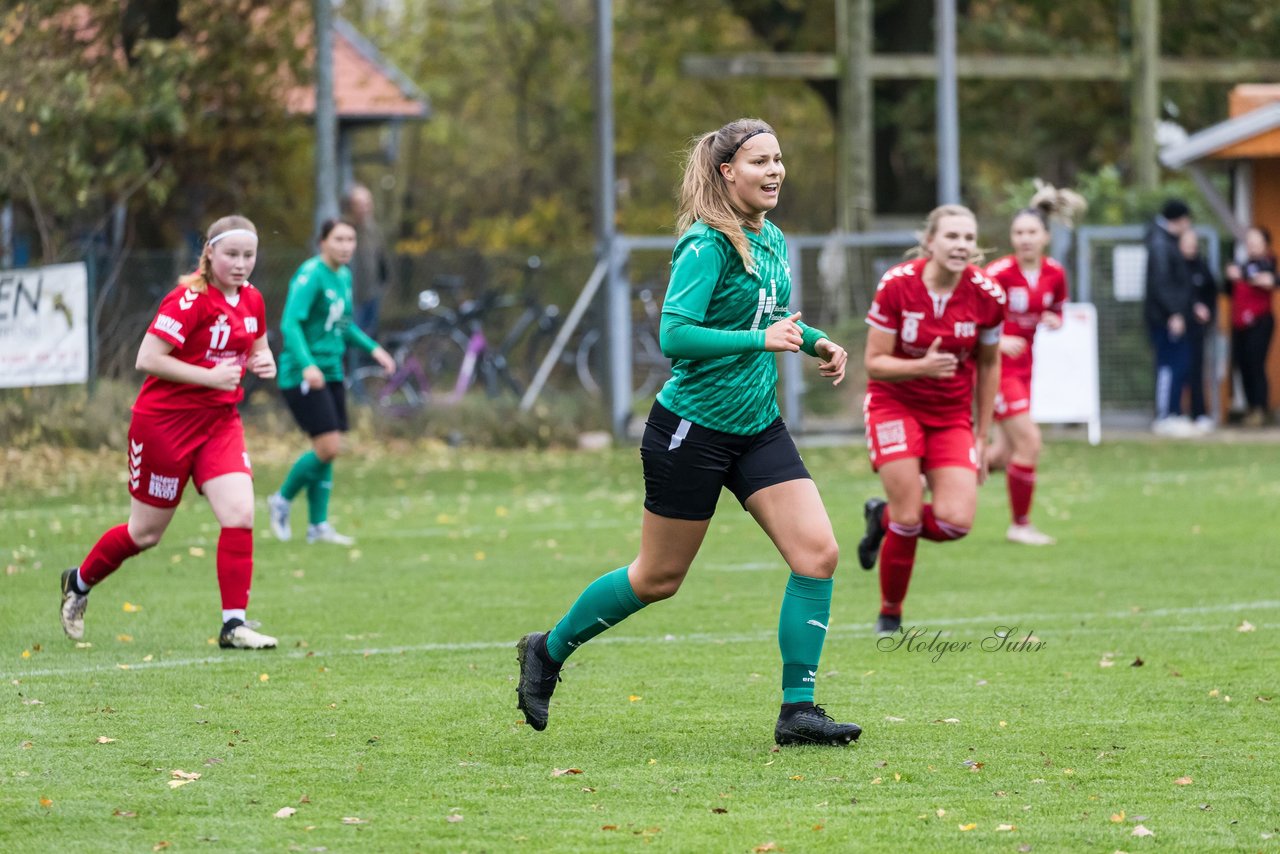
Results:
x,y
262,677
124,814
453,818
1246,626
102,739
965,828
1182,781
173,784
1003,827
817,827
1117,817
1213,692
285,812
608,827
195,551
1140,830
352,819
1106,661
83,645
27,745
719,810
179,774
1261,699
767,846
125,638
32,701
634,697
1137,662
130,608
797,776
876,781
160,846
560,772
894,719
26,653
46,803
947,721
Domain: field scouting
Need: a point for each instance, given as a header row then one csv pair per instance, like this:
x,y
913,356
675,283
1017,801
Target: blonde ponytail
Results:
x,y
704,195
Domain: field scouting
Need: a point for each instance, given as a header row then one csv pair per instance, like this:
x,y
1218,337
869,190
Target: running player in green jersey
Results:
x,y
716,424
317,328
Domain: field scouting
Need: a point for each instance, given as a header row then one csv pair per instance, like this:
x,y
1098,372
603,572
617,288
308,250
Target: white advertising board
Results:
x,y
1064,375
44,326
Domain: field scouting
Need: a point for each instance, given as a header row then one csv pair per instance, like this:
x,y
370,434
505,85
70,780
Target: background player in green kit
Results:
x,y
317,327
716,424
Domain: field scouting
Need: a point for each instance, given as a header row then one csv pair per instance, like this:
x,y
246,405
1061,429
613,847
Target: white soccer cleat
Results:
x,y
278,512
73,604
1028,535
324,533
237,635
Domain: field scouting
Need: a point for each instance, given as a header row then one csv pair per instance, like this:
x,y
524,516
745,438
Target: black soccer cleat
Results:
x,y
888,624
812,725
869,545
538,679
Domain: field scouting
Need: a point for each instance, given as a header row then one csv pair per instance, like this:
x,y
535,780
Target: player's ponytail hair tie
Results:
x,y
733,152
231,233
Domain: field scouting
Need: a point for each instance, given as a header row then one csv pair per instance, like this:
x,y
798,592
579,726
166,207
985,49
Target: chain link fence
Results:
x,y
834,279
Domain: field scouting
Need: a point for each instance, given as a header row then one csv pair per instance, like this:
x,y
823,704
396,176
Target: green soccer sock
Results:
x,y
802,629
606,602
318,492
305,469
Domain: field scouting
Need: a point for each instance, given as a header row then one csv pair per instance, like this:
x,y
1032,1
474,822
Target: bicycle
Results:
x,y
649,367
441,359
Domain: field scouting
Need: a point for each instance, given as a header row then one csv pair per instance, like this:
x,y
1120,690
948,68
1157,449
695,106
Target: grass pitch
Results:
x,y
1141,713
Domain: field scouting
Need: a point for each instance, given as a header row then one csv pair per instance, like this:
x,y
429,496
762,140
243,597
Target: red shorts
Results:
x,y
893,433
167,448
1014,396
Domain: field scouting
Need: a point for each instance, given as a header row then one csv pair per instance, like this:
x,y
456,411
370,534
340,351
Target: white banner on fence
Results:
x,y
1064,374
44,326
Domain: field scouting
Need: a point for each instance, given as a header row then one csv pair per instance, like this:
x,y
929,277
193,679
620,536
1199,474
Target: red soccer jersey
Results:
x,y
204,329
1029,300
974,310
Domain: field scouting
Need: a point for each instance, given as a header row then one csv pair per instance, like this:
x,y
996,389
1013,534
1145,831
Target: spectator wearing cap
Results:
x,y
1167,308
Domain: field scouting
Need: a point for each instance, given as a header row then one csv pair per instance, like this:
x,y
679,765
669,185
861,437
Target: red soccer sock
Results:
x,y
897,559
937,530
1021,481
112,549
235,567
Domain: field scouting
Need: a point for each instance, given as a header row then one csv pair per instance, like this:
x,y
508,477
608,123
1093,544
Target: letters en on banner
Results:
x,y
44,326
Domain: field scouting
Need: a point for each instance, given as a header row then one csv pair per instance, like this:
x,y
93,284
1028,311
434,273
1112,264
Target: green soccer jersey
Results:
x,y
711,288
317,324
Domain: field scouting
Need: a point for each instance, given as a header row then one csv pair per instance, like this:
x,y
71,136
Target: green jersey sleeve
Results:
x,y
304,287
681,339
700,260
353,334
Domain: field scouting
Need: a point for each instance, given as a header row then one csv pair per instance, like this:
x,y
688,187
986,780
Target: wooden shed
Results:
x,y
1248,144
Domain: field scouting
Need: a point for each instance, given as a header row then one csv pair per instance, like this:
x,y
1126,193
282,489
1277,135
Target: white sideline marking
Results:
x,y
1026,622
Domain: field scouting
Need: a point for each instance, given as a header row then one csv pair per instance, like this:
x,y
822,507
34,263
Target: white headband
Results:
x,y
213,240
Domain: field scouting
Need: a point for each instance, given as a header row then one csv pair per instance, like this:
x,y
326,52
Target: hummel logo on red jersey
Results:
x,y
165,323
135,463
186,300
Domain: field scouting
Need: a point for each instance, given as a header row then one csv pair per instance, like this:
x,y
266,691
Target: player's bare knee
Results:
x,y
146,539
657,589
821,560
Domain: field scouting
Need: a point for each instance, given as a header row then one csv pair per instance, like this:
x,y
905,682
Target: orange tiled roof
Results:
x,y
365,85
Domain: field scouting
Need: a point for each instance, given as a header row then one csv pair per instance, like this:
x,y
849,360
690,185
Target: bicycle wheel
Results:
x,y
649,368
440,357
396,394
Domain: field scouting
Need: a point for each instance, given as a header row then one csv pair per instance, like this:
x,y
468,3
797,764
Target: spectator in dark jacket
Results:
x,y
1166,308
1204,290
